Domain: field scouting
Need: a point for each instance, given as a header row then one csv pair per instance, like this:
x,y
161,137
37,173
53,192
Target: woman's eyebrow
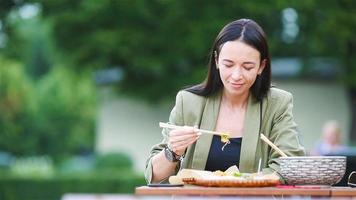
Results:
x,y
246,62
227,60
249,62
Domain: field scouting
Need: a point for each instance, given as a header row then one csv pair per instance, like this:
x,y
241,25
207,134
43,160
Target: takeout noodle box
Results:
x,y
189,173
213,179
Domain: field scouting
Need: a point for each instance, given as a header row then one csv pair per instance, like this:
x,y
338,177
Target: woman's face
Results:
x,y
238,64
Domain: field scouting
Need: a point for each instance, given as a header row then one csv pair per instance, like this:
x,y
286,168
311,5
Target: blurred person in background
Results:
x,y
330,142
236,97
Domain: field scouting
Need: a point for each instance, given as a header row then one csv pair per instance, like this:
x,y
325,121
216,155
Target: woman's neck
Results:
x,y
235,102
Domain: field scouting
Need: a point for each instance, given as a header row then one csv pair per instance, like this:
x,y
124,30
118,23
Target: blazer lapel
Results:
x,y
208,122
250,136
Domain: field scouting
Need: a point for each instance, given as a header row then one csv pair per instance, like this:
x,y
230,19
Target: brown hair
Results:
x,y
249,32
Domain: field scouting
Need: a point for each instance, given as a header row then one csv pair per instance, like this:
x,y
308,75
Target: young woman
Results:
x,y
237,98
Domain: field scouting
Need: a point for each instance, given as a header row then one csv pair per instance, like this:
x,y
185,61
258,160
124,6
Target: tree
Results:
x,y
154,42
6,6
6,30
42,118
17,107
167,41
328,29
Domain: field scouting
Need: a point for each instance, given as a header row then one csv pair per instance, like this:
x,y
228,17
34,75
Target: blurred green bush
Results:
x,y
34,166
36,177
113,161
66,113
18,188
17,108
53,116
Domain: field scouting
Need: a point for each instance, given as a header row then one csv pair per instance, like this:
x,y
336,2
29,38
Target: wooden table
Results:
x,y
261,191
211,193
343,192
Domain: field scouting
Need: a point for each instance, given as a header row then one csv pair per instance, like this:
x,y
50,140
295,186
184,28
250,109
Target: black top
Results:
x,y
221,160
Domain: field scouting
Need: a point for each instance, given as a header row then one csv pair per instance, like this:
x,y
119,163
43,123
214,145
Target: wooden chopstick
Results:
x,y
171,126
259,166
265,139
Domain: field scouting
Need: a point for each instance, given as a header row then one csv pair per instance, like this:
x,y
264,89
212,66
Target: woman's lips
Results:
x,y
236,85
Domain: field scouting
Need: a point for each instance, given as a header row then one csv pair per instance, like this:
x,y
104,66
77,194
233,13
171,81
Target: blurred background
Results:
x,y
83,84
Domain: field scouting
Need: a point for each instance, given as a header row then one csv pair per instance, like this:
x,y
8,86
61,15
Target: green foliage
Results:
x,y
37,178
54,116
66,116
6,6
39,166
17,108
30,42
16,188
37,53
168,41
328,29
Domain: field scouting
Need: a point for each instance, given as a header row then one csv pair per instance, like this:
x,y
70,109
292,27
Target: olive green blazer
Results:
x,y
277,124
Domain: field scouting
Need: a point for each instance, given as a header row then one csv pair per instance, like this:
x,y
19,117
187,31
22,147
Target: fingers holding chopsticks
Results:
x,y
180,139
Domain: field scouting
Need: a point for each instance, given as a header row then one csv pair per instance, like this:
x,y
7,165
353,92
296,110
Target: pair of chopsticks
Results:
x,y
171,126
263,137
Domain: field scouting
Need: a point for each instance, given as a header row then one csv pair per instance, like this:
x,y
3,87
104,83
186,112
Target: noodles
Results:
x,y
225,138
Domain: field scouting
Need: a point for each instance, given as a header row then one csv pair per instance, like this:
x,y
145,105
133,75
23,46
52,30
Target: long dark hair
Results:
x,y
249,32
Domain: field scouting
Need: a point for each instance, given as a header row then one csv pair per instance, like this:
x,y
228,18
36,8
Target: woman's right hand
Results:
x,y
180,139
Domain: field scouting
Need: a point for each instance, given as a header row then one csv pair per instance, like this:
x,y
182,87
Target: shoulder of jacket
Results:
x,y
276,94
191,105
190,97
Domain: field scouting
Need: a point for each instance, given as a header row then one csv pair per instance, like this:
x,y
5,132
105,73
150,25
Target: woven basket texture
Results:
x,y
313,170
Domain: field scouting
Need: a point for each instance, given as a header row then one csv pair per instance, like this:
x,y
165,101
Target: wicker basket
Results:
x,y
313,170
